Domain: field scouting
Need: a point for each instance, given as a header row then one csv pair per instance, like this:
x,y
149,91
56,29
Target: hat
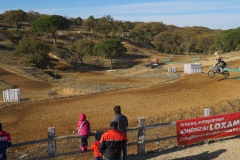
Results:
x,y
113,124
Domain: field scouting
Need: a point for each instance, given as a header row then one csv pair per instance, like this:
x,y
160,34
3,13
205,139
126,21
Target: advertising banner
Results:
x,y
210,127
11,95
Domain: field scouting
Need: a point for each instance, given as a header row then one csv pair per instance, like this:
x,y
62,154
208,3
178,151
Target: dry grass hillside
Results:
x,y
55,96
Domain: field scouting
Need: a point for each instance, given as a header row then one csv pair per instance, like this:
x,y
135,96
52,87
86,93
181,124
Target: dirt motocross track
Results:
x,y
158,99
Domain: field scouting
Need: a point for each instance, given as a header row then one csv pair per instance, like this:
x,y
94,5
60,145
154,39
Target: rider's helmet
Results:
x,y
219,59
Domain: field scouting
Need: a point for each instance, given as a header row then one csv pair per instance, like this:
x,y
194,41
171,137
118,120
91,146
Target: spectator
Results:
x,y
83,127
111,142
95,147
5,142
122,126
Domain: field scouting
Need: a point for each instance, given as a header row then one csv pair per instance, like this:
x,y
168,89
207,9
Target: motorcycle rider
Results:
x,y
221,64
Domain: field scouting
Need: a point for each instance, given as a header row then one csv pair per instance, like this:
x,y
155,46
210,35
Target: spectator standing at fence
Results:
x,y
122,126
95,147
83,127
111,142
5,142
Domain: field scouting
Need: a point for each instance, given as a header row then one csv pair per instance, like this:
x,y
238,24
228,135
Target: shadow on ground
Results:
x,y
205,155
156,155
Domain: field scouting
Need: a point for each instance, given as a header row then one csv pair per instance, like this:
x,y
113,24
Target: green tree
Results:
x,y
104,25
108,48
34,49
171,28
133,35
79,21
72,21
148,36
1,16
189,41
128,25
228,40
83,48
117,28
16,16
141,26
157,27
168,42
205,43
140,35
120,29
50,24
89,24
75,21
91,18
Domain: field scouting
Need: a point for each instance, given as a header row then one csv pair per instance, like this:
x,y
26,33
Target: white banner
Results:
x,y
11,95
192,68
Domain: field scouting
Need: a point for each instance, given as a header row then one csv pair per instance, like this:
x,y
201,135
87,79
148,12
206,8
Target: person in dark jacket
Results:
x,y
122,126
5,142
111,142
221,64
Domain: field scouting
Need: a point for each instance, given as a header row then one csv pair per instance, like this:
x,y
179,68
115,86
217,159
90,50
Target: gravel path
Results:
x,y
219,150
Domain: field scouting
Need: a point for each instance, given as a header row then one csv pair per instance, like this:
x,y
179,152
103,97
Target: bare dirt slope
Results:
x,y
157,99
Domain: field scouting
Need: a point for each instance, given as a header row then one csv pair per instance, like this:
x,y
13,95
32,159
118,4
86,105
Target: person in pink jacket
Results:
x,y
83,127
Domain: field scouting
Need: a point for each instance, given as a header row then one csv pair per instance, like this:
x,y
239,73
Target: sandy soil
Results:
x,y
157,99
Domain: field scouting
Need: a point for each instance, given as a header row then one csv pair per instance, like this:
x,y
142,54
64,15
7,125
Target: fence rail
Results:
x,y
52,140
140,143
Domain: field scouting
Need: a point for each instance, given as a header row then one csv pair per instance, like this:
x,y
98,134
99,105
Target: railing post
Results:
x,y
206,113
51,142
141,135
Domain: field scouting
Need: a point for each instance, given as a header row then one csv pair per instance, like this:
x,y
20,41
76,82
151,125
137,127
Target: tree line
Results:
x,y
165,38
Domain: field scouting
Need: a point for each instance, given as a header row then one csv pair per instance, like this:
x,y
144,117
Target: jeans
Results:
x,y
98,158
112,159
124,148
84,140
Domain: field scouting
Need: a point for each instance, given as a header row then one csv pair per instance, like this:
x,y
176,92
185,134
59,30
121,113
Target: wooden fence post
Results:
x,y
51,142
206,113
141,135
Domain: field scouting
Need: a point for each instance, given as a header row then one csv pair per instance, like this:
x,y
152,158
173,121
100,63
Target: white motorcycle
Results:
x,y
216,69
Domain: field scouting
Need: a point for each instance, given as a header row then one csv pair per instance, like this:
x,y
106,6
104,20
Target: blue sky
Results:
x,y
214,14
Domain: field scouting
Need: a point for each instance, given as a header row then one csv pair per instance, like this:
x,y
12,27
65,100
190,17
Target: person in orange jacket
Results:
x,y
111,142
95,146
